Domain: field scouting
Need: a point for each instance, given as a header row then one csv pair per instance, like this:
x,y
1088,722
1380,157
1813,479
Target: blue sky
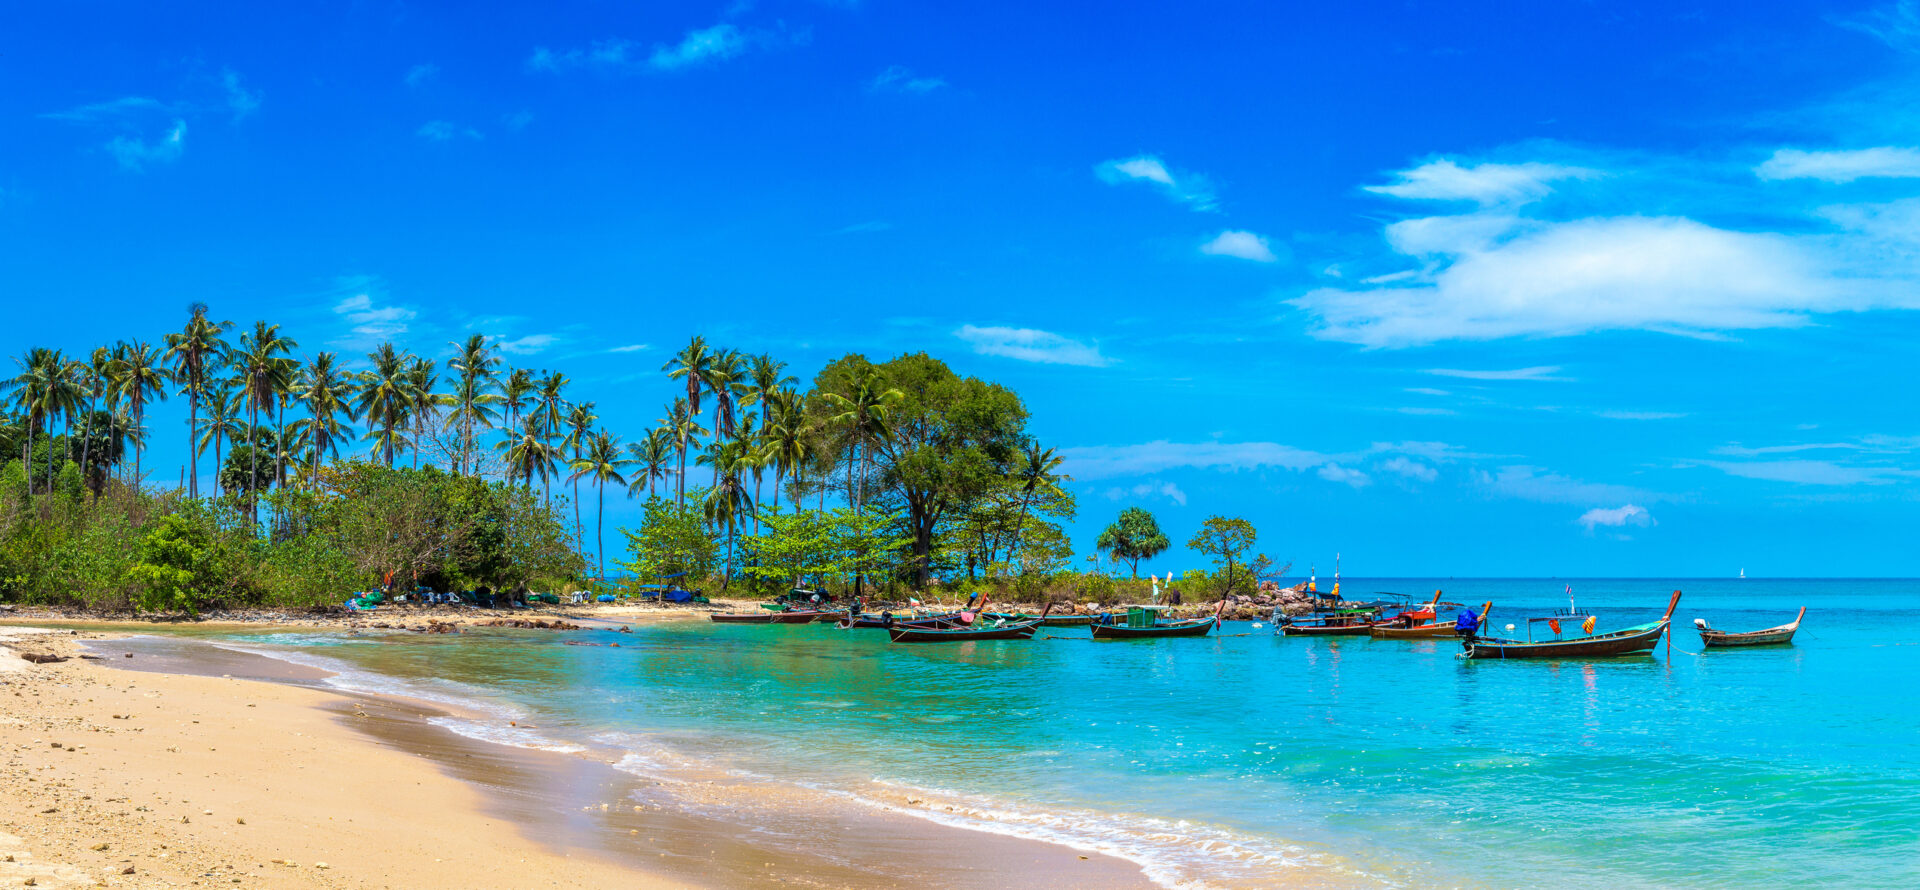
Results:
x,y
1507,289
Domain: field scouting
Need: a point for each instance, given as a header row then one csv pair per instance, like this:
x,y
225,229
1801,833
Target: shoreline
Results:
x,y
567,813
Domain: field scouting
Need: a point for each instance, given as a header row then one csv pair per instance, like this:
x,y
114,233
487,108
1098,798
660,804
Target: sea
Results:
x,y
1249,759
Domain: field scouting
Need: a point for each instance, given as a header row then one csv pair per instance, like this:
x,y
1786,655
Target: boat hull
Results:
x,y
1772,636
1048,621
1417,632
1633,641
1021,631
1196,628
740,618
1338,630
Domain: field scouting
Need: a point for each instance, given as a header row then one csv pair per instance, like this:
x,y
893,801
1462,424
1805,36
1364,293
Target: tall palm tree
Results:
x,y
140,374
864,414
473,401
264,375
766,377
728,498
580,423
94,378
385,397
726,381
654,456
684,425
693,364
225,401
422,403
787,438
195,351
517,391
602,462
326,392
39,391
1039,472
528,452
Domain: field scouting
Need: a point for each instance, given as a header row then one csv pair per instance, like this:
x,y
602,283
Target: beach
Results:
x,y
153,778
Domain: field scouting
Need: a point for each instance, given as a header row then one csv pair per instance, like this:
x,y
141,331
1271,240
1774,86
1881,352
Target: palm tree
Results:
x,y
787,438
517,393
195,351
92,377
385,397
473,396
694,364
264,376
728,497
1037,473
138,375
422,403
528,452
766,378
726,380
864,412
654,456
684,425
580,423
327,393
602,463
224,402
40,391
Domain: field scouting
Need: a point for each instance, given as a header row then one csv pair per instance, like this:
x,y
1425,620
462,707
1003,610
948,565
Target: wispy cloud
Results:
x,y
632,347
897,79
699,47
1445,180
1535,484
1411,469
1640,415
135,153
1149,458
1030,345
1737,450
1344,475
863,228
1811,472
442,131
1190,189
1155,488
530,344
517,121
370,322
111,110
1896,24
1543,373
1842,166
421,73
240,100
1242,244
1616,517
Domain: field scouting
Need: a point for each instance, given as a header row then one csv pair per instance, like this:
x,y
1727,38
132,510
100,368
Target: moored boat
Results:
x,y
1422,631
1021,630
1045,620
1144,622
1772,636
1637,640
1338,623
741,617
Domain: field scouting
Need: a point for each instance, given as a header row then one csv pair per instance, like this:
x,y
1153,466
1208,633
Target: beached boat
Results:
x,y
1636,640
1144,622
1772,636
1021,630
770,617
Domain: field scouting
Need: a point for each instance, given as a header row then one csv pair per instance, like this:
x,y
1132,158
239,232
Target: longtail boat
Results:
x,y
795,617
888,619
1341,623
1001,631
1144,622
1434,627
1772,636
1636,640
1046,621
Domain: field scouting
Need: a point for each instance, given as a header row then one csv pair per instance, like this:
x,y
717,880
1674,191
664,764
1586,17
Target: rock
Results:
x,y
321,865
98,847
127,871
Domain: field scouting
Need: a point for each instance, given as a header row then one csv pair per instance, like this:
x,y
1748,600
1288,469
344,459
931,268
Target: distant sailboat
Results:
x,y
1743,574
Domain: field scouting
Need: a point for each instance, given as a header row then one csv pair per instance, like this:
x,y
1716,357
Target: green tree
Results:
x,y
694,365
473,398
1133,537
385,398
174,565
196,351
1225,539
601,462
139,375
673,540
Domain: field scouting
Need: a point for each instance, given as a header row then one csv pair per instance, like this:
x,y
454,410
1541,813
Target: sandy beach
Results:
x,y
132,773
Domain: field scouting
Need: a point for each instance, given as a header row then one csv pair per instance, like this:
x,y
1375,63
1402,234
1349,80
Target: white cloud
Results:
x,y
1344,475
240,100
372,322
441,131
1190,189
1030,345
1155,488
1841,166
1616,517
1242,244
112,110
530,344
1743,451
636,347
1534,484
1666,274
1410,469
1426,411
722,41
517,121
1444,180
1541,373
698,47
421,73
135,153
1896,24
1109,461
1428,391
864,228
897,79
1810,472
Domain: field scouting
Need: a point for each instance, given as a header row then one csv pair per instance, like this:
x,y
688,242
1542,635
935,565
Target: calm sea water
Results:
x,y
1232,759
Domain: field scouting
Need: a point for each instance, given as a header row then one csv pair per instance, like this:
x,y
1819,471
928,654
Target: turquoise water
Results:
x,y
1234,759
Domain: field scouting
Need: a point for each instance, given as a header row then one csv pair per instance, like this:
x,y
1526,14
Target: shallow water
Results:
x,y
1238,759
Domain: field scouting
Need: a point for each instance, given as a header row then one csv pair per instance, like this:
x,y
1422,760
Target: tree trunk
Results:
x,y
193,429
600,533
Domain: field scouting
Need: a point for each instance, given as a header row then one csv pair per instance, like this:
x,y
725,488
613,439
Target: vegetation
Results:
x,y
331,474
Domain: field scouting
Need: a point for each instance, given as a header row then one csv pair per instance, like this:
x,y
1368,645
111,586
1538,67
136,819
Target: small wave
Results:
x,y
504,735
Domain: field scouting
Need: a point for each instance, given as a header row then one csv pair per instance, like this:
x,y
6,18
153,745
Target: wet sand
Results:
x,y
172,735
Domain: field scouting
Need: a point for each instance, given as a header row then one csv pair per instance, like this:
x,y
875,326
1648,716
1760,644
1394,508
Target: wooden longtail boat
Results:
x,y
1011,631
1772,636
885,620
1637,640
770,617
1347,623
1046,621
1428,631
1143,623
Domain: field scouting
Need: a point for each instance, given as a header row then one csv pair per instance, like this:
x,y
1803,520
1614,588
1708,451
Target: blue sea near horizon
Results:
x,y
1247,758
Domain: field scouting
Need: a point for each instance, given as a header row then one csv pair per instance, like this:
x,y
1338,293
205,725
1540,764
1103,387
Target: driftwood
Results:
x,y
40,658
